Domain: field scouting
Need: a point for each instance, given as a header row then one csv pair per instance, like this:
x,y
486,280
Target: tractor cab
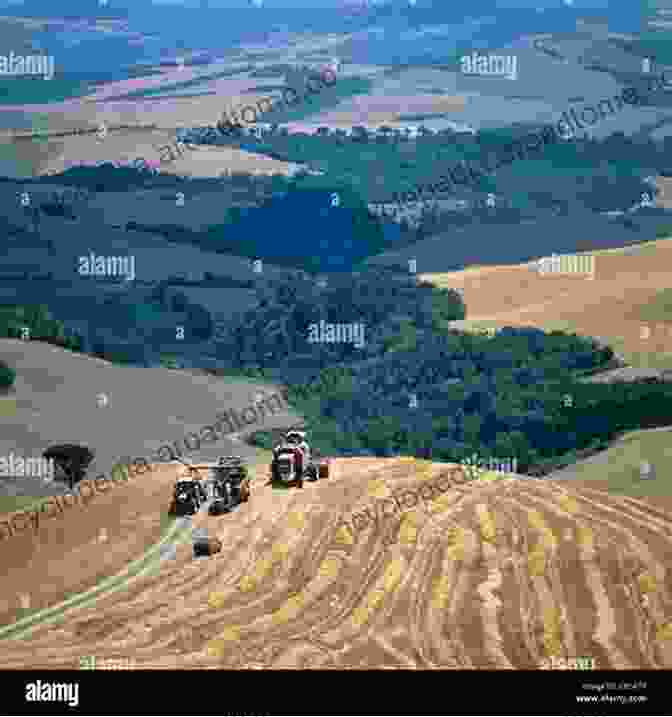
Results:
x,y
292,460
230,468
288,463
296,438
230,484
188,496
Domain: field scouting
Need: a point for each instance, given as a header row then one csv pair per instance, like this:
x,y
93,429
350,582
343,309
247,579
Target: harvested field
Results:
x,y
376,110
167,114
495,574
610,307
52,156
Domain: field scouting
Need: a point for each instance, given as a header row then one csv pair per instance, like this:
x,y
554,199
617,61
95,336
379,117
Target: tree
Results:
x,y
40,321
7,376
72,460
472,428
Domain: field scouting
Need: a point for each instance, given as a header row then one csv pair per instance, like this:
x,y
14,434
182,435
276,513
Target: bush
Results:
x,y
73,343
119,354
71,459
7,375
40,325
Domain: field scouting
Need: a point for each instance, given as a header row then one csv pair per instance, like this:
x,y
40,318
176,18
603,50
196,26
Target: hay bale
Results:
x,y
207,546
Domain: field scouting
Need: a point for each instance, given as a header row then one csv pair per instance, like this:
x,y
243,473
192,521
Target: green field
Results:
x,y
619,465
658,309
11,503
7,407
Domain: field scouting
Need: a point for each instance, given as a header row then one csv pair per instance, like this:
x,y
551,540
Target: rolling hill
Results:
x,y
618,306
489,574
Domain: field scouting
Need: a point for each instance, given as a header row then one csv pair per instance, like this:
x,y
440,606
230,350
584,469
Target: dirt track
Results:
x,y
490,574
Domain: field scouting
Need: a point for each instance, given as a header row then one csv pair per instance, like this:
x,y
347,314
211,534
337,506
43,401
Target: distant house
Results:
x,y
360,132
463,129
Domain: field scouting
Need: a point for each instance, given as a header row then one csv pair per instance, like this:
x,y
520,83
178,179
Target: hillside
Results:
x,y
145,408
615,306
317,259
488,574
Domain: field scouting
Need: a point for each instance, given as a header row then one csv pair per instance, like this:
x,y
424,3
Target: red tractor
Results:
x,y
292,461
